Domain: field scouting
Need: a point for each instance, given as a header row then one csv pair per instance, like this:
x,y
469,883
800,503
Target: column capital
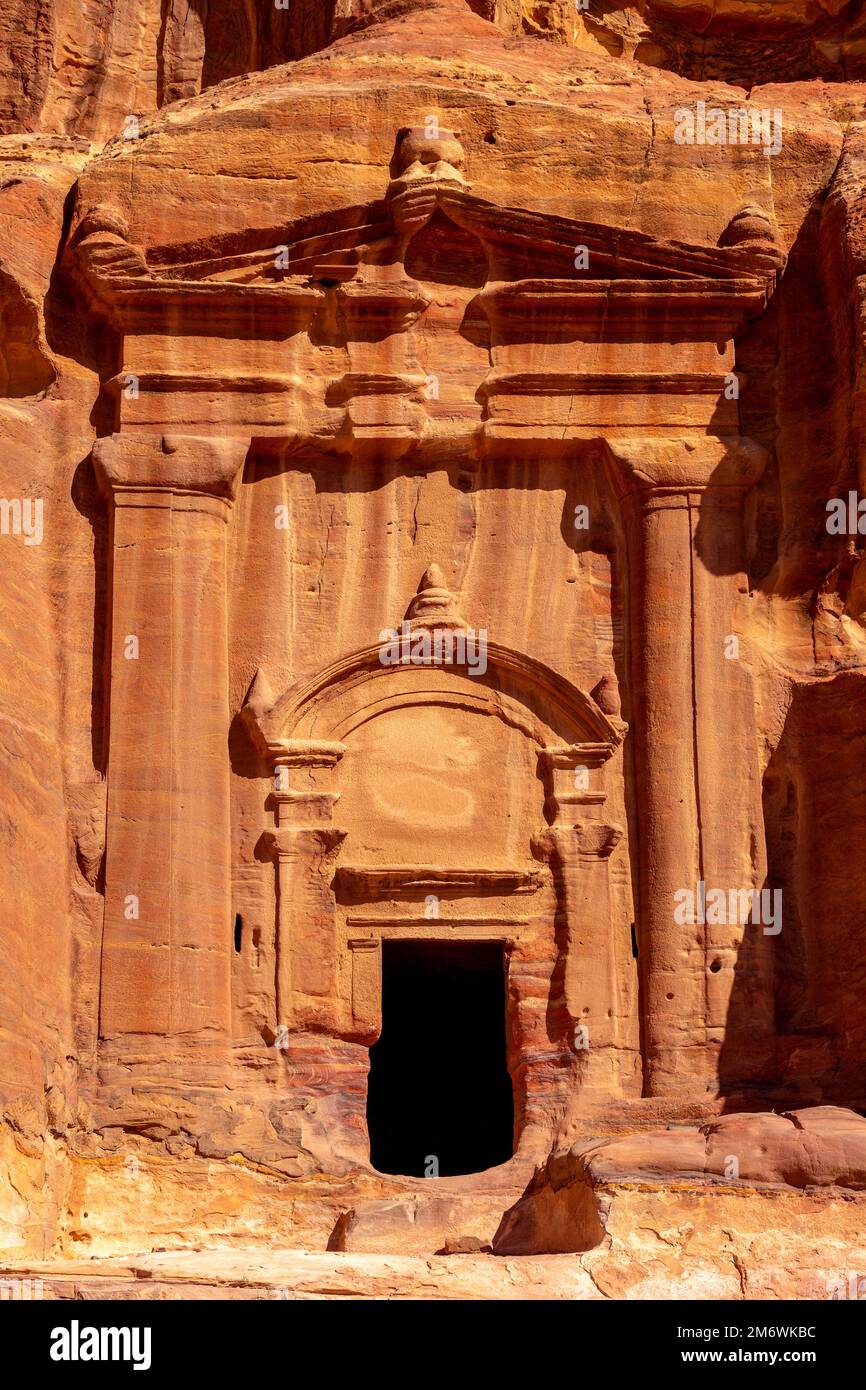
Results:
x,y
130,465
585,839
652,468
317,842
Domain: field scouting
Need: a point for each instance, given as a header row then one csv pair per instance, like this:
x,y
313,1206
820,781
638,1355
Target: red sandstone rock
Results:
x,y
322,322
821,1147
568,1203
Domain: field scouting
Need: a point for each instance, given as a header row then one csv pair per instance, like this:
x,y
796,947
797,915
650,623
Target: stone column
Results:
x,y
697,790
306,925
167,936
305,846
578,847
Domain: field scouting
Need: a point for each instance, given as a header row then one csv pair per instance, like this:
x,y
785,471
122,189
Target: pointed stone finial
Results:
x,y
260,696
434,605
432,578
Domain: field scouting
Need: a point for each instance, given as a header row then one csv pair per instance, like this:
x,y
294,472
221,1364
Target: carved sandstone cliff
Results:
x,y
431,594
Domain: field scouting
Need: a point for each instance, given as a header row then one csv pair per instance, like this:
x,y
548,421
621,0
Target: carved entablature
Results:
x,y
360,883
538,294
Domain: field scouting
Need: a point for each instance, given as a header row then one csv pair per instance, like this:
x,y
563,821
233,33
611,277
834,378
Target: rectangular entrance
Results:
x,y
440,1098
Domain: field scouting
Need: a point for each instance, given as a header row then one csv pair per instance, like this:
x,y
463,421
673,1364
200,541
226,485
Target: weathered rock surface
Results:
x,y
298,343
82,71
821,1147
575,1200
660,1243
247,1273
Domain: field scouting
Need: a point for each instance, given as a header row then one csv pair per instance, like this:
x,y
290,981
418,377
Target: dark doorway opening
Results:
x,y
440,1097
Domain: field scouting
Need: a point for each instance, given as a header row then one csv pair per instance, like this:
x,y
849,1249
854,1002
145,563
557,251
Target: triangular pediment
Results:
x,y
305,257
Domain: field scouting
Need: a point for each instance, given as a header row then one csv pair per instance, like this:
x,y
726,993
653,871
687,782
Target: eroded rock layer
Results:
x,y
430,456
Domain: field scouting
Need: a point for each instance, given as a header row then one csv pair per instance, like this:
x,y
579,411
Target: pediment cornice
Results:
x,y
271,278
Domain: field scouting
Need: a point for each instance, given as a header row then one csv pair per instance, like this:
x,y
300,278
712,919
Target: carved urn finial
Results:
x,y
434,605
751,224
105,220
428,154
101,245
606,695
